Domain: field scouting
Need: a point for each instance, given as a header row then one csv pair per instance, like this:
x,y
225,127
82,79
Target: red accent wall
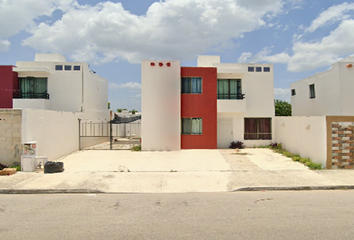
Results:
x,y
8,84
201,106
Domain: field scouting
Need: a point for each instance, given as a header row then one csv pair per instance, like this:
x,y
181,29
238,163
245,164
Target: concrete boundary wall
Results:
x,y
10,136
57,133
306,136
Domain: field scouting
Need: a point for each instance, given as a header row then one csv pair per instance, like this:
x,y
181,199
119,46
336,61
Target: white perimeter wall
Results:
x,y
55,132
161,105
303,135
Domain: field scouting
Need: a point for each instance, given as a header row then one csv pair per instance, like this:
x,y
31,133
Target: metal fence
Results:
x,y
90,130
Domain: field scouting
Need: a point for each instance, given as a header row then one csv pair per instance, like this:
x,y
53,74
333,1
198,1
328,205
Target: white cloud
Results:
x,y
331,15
282,94
311,55
133,86
4,45
245,57
178,29
17,15
263,56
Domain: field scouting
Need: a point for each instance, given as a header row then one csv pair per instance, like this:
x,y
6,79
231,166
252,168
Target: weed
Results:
x,y
277,147
136,148
173,170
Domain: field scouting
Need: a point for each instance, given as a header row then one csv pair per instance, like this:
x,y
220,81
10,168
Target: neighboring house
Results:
x,y
43,100
52,83
207,106
329,93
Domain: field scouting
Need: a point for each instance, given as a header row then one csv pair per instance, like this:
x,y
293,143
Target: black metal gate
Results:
x,y
109,135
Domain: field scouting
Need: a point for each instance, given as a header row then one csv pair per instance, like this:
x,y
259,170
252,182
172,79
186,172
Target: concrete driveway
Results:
x,y
176,171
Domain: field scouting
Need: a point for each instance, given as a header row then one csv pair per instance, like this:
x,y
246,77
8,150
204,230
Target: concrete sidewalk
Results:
x,y
181,171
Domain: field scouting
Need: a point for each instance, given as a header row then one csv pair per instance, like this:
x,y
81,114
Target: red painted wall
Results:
x,y
201,106
8,83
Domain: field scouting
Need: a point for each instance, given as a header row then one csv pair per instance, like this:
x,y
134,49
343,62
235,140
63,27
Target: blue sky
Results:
x,y
299,37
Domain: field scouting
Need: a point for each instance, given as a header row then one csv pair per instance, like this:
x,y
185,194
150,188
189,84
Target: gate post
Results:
x,y
79,134
110,135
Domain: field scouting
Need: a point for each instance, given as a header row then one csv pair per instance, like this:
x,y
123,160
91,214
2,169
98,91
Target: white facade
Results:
x,y
161,105
75,88
258,102
333,92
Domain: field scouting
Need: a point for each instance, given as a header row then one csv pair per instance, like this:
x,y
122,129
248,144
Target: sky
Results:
x,y
300,37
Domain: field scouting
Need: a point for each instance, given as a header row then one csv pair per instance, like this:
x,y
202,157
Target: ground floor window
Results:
x,y
258,128
192,126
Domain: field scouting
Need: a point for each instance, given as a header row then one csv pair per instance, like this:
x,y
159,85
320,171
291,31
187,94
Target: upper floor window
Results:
x,y
312,91
76,68
192,85
258,69
67,68
230,89
266,69
31,87
58,67
293,92
192,126
251,69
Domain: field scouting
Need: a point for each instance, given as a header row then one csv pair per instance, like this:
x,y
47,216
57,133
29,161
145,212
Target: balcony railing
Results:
x,y
237,96
31,95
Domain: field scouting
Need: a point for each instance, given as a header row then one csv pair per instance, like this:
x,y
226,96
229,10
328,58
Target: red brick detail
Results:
x,y
338,157
349,167
201,106
335,126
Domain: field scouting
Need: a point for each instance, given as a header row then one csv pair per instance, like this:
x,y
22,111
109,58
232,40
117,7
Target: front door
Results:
x,y
225,133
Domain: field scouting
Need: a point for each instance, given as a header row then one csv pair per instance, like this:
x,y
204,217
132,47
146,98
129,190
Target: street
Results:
x,y
237,215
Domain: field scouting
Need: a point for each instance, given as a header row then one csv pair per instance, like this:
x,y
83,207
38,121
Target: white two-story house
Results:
x,y
327,93
207,106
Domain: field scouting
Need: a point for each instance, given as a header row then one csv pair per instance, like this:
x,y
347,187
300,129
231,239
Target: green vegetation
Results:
x,y
282,108
16,165
277,147
136,148
109,105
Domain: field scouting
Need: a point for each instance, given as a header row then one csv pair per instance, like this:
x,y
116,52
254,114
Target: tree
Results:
x,y
109,105
282,108
119,110
133,111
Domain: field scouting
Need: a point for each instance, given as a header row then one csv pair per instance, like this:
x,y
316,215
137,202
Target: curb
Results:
x,y
300,188
48,191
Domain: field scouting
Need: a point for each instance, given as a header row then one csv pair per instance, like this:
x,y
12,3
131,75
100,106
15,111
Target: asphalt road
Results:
x,y
239,215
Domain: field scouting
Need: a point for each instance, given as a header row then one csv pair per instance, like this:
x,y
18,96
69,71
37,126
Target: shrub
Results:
x,y
2,166
237,144
296,159
276,146
136,148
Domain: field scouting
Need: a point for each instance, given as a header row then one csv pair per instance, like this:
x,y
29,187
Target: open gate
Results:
x,y
117,134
